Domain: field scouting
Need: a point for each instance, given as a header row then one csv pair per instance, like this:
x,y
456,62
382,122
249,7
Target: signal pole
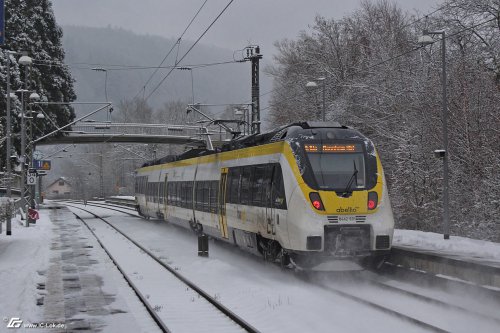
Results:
x,y
253,54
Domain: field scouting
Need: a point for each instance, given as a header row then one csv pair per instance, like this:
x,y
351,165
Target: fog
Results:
x,y
259,22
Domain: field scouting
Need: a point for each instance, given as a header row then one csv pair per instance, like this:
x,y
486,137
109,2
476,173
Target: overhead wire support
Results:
x,y
253,54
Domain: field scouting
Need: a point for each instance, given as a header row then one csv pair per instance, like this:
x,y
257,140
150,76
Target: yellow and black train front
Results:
x,y
339,207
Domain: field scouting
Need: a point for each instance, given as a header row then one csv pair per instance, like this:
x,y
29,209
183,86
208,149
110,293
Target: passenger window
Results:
x,y
234,183
246,190
258,185
206,197
278,188
213,196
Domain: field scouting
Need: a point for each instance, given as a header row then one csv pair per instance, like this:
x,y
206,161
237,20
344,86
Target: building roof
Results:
x,y
57,180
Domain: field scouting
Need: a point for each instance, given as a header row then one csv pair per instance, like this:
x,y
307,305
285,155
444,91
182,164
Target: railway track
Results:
x,y
379,307
377,282
380,283
180,289
114,207
445,282
368,288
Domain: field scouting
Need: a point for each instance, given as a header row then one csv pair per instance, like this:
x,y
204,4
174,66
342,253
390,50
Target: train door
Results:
x,y
270,219
222,203
165,198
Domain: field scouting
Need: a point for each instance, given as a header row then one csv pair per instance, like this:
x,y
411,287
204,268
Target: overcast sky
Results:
x,y
245,22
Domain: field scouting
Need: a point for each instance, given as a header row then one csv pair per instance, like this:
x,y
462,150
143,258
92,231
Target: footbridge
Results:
x,y
107,132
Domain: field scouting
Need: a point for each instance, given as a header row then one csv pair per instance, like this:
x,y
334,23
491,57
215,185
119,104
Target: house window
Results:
x,y
61,183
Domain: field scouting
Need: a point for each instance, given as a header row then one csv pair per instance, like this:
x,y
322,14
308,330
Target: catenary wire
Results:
x,y
171,49
189,50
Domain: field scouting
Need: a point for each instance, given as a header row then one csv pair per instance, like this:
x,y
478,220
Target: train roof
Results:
x,y
275,135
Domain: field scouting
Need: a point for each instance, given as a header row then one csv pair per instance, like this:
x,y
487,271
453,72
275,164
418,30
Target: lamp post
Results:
x,y
314,85
190,69
100,69
426,39
8,144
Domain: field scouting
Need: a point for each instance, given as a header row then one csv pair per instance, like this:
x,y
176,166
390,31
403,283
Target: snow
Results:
x,y
265,296
126,197
455,246
23,255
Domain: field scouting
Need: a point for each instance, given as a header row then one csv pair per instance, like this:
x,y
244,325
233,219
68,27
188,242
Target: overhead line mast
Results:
x,y
253,54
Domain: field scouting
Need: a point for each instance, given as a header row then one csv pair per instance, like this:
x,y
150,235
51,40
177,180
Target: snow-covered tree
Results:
x,y
30,26
378,81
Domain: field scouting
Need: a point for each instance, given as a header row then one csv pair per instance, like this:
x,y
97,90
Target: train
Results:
x,y
309,195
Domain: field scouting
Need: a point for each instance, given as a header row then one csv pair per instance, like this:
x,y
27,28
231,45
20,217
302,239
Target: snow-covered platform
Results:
x,y
458,257
54,274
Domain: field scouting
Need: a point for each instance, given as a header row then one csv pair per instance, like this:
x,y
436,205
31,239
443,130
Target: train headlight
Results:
x,y
372,200
316,200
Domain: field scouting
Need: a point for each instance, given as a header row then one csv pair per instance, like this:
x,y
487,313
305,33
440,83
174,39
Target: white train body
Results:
x,y
309,194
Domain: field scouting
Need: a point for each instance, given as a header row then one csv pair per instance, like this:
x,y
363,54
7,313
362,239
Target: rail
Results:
x,y
212,300
129,202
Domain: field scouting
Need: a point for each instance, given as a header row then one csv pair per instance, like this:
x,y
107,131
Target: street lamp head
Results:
x,y
25,60
311,85
40,115
34,96
425,39
99,69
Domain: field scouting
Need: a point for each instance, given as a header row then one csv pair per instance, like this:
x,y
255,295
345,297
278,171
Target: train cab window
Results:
x,y
245,186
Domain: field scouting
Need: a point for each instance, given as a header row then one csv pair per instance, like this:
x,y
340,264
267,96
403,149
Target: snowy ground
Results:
x,y
265,296
459,247
22,256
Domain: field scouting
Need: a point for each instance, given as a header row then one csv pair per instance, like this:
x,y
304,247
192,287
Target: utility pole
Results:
x,y
9,170
253,54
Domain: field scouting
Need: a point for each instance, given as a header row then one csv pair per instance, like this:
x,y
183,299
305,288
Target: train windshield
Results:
x,y
339,167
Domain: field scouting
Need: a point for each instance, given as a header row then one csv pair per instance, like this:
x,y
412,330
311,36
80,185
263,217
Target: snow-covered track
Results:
x,y
427,307
212,315
121,201
473,271
445,282
377,282
116,208
426,326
